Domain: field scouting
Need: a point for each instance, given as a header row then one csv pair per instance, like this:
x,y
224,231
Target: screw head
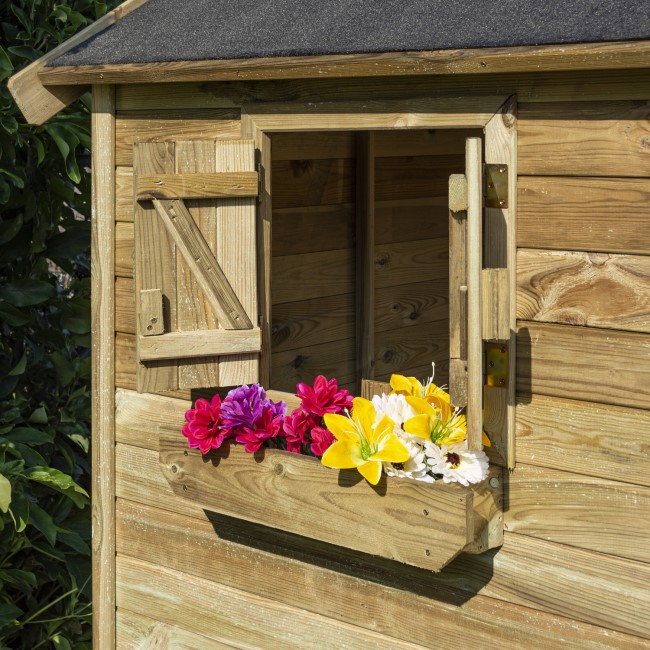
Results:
x,y
494,482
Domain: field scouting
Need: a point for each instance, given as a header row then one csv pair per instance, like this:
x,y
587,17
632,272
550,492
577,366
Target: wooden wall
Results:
x,y
575,565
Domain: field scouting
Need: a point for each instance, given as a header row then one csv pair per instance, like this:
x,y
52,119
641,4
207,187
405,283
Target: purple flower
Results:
x,y
245,405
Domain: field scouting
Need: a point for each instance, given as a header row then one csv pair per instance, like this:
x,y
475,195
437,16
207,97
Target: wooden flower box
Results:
x,y
425,525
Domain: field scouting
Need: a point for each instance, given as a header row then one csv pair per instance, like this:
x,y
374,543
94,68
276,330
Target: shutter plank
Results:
x,y
194,311
236,253
196,186
155,262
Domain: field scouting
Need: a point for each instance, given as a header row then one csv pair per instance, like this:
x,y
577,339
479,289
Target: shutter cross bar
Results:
x,y
197,254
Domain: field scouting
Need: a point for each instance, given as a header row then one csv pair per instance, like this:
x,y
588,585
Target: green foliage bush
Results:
x,y
45,347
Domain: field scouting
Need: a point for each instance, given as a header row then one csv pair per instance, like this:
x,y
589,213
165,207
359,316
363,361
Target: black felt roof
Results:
x,y
177,30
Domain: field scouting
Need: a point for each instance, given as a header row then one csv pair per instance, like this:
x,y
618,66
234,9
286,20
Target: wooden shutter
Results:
x,y
195,264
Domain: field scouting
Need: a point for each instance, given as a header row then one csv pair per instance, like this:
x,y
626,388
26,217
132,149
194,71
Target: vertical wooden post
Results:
x,y
365,256
474,173
103,366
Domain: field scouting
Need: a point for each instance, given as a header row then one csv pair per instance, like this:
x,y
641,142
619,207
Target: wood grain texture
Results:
x,y
155,263
495,288
585,139
235,615
411,219
140,418
312,229
197,185
405,262
404,350
333,359
584,363
407,305
598,440
316,502
312,275
124,305
166,126
136,632
310,322
602,515
124,207
103,366
299,183
371,596
537,86
592,289
577,214
124,249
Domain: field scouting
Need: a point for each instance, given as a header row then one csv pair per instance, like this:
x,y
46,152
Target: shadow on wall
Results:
x,y
457,583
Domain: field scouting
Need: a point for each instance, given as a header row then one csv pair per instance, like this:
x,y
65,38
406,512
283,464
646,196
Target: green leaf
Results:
x,y
8,614
43,523
69,244
29,436
13,316
20,367
10,228
19,511
63,368
25,293
66,141
39,416
31,457
60,482
5,493
61,643
73,540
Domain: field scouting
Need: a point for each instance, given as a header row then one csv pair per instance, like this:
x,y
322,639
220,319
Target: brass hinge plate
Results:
x,y
496,185
497,364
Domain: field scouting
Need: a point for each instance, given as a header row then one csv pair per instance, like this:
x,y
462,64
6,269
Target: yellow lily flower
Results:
x,y
442,424
361,444
412,387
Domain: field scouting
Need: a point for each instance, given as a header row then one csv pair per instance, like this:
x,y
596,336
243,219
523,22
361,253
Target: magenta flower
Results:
x,y
322,439
268,425
296,429
204,428
324,397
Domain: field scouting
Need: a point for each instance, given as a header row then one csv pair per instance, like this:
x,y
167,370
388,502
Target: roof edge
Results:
x,y
38,101
548,58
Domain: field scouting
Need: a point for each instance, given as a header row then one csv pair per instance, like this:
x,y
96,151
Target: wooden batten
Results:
x,y
197,186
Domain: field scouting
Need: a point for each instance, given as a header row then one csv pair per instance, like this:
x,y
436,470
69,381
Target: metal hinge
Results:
x,y
495,188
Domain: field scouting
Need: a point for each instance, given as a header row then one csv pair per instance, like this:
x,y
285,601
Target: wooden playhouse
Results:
x,y
283,190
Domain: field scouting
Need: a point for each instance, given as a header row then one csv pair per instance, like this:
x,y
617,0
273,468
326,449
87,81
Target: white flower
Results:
x,y
456,463
398,410
415,467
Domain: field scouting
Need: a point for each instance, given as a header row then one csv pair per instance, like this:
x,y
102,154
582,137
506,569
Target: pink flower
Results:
x,y
204,429
321,440
324,397
296,428
268,425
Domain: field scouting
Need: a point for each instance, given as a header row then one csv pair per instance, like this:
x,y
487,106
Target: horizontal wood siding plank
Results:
x,y
584,437
415,347
164,126
414,261
124,208
584,139
316,145
584,363
309,322
537,86
411,177
370,595
125,362
312,275
602,515
411,219
297,183
334,359
407,305
136,632
232,616
592,289
584,214
312,229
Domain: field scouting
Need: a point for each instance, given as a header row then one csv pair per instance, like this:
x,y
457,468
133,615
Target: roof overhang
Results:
x,y
41,91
